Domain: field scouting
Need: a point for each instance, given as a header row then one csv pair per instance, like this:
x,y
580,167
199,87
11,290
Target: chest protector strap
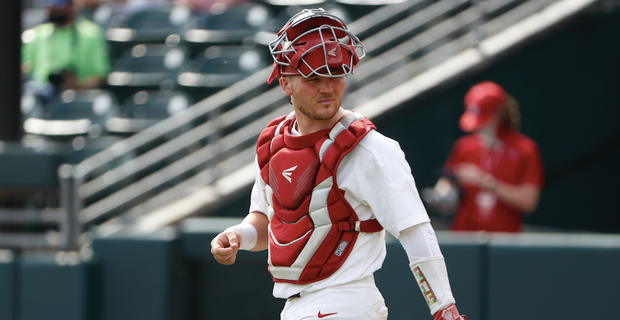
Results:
x,y
312,228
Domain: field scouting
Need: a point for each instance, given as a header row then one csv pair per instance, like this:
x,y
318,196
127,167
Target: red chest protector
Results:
x,y
312,228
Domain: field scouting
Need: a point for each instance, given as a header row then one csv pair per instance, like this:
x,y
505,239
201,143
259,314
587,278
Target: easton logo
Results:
x,y
332,52
288,172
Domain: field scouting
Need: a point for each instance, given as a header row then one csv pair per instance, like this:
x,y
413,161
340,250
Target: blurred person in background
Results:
x,y
64,53
493,176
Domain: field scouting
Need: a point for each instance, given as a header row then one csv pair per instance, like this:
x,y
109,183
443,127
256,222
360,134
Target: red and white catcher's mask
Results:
x,y
315,42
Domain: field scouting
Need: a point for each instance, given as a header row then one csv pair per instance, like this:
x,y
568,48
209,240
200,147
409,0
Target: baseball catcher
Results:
x,y
327,188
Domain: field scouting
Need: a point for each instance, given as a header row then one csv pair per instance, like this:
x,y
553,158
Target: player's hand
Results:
x,y
225,246
449,313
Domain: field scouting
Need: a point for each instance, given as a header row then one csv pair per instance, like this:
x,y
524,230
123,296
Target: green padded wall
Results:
x,y
51,287
25,168
162,275
138,274
402,295
553,277
493,277
7,285
211,284
214,291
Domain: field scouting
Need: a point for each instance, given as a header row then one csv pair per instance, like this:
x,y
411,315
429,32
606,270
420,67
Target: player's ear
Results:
x,y
285,84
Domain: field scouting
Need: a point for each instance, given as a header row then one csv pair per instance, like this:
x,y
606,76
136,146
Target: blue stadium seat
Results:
x,y
73,113
153,25
234,25
147,67
220,66
146,108
31,106
28,165
292,7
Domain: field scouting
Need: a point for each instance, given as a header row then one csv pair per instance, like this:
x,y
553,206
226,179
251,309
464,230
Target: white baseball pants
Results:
x,y
359,300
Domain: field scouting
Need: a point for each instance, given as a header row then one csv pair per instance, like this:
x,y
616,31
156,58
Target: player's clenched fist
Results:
x,y
225,246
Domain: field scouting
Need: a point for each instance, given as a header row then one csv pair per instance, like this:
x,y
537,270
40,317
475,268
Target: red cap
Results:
x,y
482,102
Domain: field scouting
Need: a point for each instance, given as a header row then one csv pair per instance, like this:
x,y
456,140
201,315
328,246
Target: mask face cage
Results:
x,y
315,42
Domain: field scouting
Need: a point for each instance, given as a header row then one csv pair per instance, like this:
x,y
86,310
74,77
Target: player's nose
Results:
x,y
326,85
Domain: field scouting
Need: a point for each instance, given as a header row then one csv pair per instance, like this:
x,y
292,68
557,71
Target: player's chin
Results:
x,y
328,112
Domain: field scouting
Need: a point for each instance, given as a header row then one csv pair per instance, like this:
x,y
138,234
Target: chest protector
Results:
x,y
312,228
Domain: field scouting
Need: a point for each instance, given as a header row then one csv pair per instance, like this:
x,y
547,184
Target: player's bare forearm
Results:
x,y
260,222
523,197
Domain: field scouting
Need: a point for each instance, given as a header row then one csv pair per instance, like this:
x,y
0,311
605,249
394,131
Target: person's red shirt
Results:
x,y
515,159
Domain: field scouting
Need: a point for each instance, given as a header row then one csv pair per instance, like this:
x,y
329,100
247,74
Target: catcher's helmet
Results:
x,y
310,43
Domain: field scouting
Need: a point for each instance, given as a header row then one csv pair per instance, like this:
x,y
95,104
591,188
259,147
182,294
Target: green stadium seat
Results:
x,y
146,108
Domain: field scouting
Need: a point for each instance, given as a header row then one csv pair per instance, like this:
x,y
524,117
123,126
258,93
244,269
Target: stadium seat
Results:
x,y
28,165
102,14
31,106
288,3
370,2
81,148
234,25
356,9
146,108
147,67
153,25
73,113
220,66
292,7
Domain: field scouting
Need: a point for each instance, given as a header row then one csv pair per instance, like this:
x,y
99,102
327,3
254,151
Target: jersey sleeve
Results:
x,y
258,202
385,183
